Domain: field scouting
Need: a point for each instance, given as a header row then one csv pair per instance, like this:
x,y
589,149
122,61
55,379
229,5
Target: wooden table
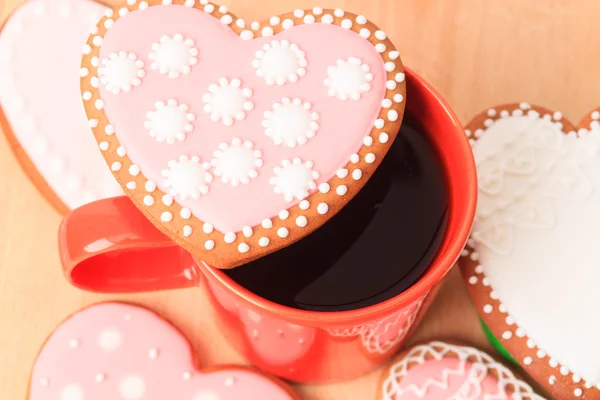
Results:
x,y
476,53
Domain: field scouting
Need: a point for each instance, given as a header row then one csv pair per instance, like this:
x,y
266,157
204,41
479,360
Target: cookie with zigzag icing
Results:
x,y
443,371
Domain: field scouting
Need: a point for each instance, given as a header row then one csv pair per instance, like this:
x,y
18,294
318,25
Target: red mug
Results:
x,y
110,247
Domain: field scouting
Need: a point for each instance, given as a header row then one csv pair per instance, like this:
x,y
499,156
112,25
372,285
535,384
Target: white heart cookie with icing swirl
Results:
x,y
531,263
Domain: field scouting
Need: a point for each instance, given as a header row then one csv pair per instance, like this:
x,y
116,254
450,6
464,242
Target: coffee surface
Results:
x,y
379,245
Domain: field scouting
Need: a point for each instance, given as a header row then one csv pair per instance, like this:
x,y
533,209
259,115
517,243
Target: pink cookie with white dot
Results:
x,y
124,352
42,113
237,139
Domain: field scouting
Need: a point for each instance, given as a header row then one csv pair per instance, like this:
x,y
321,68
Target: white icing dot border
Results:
x,y
178,222
591,122
486,299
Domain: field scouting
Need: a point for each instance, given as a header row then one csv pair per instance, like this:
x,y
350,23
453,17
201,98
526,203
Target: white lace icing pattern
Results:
x,y
471,389
530,159
374,336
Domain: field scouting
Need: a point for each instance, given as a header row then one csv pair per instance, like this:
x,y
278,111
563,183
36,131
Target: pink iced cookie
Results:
x,y
442,371
123,352
41,111
238,139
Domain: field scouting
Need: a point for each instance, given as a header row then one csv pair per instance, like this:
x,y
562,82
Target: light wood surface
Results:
x,y
476,53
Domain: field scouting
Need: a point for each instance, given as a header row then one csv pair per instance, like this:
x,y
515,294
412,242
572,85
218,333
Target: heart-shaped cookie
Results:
x,y
40,102
445,371
119,351
237,139
531,262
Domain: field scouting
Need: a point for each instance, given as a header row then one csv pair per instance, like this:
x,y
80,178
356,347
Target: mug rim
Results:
x,y
434,274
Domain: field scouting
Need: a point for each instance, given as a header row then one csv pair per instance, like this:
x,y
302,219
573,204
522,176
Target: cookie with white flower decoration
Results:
x,y
233,137
121,351
531,264
444,371
41,114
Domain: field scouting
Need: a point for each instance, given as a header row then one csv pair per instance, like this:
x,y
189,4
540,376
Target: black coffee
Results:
x,y
376,247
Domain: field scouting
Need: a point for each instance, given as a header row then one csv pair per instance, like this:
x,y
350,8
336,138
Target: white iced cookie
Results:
x,y
531,263
42,112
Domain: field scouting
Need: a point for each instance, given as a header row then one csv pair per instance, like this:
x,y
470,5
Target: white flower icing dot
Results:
x,y
348,79
237,163
227,101
170,121
121,72
291,122
280,62
187,177
173,56
294,179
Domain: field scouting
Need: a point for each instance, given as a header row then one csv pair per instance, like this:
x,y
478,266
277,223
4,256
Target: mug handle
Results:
x,y
109,246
